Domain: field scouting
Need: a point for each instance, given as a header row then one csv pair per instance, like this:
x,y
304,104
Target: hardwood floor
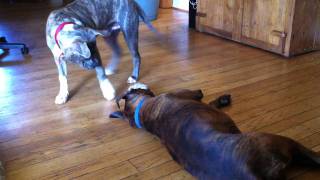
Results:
x,y
41,140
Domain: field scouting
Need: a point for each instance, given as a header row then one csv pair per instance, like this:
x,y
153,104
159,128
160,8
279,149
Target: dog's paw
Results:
x,y
62,98
107,89
131,80
109,72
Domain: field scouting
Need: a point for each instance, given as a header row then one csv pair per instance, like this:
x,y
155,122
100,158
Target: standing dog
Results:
x,y
71,36
205,141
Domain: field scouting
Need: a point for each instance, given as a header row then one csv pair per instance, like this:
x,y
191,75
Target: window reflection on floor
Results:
x,y
5,81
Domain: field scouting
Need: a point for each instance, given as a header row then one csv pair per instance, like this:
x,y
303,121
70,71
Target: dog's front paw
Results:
x,y
131,80
109,71
107,89
62,98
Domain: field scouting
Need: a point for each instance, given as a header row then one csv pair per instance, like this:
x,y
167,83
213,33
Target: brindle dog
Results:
x,y
71,33
205,140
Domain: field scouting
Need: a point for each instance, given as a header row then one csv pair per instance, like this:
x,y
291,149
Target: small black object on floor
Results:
x,y
222,101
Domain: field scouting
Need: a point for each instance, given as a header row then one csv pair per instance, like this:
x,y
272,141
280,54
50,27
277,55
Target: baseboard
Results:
x,y
183,10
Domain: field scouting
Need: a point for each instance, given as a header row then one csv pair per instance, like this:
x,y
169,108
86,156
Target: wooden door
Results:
x,y
265,23
219,17
305,28
166,3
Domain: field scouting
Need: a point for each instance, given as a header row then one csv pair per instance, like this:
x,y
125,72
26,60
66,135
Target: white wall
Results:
x,y
181,4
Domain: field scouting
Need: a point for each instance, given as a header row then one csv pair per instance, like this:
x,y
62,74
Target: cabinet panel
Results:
x,y
266,22
306,25
217,17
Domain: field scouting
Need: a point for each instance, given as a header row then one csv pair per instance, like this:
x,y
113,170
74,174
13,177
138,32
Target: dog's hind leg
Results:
x,y
188,94
63,94
222,101
112,41
131,33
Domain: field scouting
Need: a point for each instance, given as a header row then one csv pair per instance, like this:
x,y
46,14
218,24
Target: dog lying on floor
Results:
x,y
205,141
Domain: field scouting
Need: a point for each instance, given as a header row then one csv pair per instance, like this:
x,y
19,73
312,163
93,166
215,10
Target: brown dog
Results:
x,y
206,142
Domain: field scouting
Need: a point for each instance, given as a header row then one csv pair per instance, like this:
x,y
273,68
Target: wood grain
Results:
x,y
40,140
166,3
306,35
260,18
218,16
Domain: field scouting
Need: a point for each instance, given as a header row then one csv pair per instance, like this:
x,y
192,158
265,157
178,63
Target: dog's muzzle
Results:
x,y
89,64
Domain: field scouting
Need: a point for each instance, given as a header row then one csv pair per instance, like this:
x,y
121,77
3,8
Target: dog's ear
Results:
x,y
82,49
93,33
118,99
122,96
117,114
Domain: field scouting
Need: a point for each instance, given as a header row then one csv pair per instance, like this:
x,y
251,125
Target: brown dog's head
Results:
x,y
133,96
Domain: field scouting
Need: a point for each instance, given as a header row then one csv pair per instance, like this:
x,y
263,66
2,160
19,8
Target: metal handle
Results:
x,y
279,33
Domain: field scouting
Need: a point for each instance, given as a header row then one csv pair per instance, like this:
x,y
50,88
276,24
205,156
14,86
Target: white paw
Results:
x,y
109,71
131,80
107,89
62,98
138,86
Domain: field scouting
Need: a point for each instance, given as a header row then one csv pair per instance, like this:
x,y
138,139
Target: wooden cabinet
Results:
x,y
166,3
218,18
286,27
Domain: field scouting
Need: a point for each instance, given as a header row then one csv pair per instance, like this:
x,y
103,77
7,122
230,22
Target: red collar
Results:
x,y
59,28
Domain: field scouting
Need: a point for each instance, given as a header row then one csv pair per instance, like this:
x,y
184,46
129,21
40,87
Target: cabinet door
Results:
x,y
218,17
306,26
265,23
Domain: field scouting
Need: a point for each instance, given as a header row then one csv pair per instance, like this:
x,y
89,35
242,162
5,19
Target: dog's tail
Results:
x,y
146,20
305,156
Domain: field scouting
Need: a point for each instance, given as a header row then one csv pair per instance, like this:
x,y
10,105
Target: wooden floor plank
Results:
x,y
157,172
179,175
118,171
151,159
105,152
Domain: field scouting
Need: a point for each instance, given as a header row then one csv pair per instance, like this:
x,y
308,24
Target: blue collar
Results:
x,y
136,114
